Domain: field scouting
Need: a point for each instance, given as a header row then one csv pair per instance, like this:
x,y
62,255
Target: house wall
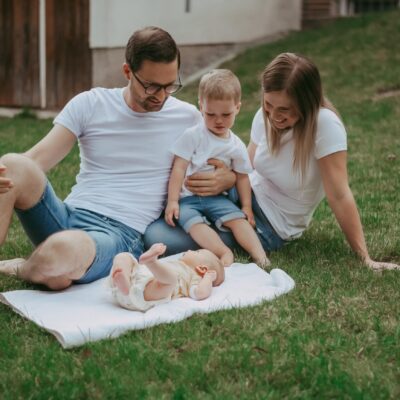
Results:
x,y
194,24
207,21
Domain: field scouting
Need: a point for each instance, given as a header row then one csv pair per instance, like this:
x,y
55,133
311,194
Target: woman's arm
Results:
x,y
251,149
333,170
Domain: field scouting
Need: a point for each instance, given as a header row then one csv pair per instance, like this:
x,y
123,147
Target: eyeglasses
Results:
x,y
153,88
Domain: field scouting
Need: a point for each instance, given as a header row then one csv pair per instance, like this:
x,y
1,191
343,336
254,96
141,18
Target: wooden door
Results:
x,y
68,56
19,53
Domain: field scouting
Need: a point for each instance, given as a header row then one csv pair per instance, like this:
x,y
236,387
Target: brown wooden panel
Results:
x,y
69,62
19,53
314,9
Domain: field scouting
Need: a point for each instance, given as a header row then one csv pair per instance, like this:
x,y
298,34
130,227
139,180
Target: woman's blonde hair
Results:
x,y
300,79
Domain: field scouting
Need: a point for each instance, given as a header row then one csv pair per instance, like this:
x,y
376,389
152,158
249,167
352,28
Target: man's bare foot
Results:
x,y
227,258
153,253
10,267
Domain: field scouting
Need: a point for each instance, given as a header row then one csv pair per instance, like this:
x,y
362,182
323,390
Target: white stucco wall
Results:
x,y
207,22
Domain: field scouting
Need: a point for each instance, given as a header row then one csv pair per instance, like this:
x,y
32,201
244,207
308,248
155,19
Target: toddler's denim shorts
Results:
x,y
211,209
51,215
177,240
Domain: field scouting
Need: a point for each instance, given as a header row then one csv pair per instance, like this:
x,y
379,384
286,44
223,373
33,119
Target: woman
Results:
x,y
298,150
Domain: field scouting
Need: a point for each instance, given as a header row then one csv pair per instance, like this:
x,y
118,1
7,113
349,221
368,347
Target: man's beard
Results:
x,y
148,105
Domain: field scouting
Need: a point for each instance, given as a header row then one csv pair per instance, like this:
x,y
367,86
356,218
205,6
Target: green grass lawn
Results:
x,y
337,335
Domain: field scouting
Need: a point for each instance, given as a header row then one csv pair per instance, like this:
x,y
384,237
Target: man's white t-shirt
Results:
x,y
287,203
198,144
125,162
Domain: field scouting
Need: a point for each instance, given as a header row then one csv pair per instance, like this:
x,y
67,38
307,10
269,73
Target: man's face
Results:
x,y
150,73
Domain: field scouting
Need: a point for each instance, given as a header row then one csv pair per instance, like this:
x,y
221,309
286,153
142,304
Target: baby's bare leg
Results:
x,y
248,239
121,271
208,239
165,278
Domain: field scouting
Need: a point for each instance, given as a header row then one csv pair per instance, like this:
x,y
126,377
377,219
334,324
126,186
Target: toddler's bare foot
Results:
x,y
263,262
227,259
153,253
10,267
120,278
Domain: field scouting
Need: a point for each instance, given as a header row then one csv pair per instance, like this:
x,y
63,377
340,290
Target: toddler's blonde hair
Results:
x,y
220,84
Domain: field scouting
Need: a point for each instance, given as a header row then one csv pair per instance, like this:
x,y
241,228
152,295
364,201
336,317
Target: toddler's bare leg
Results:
x,y
208,239
121,271
248,239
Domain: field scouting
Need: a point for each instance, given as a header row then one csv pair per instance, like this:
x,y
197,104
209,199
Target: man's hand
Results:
x,y
171,212
5,183
211,183
249,215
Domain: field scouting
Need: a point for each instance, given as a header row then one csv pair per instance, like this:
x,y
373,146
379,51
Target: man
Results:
x,y
123,135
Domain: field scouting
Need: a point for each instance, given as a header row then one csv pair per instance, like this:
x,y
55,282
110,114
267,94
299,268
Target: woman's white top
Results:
x,y
287,202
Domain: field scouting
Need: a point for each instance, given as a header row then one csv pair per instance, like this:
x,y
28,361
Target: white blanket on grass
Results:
x,y
85,313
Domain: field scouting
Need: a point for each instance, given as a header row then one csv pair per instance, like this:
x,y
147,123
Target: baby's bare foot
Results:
x,y
227,259
121,281
153,253
10,267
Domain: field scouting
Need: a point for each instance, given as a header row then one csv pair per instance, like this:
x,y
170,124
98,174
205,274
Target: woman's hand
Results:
x,y
380,266
211,183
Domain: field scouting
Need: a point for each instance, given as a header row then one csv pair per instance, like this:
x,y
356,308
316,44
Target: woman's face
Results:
x,y
280,109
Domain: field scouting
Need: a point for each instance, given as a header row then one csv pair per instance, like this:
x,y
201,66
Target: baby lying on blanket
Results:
x,y
141,285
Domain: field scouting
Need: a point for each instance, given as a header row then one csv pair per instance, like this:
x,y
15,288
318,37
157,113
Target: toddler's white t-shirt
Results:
x,y
198,144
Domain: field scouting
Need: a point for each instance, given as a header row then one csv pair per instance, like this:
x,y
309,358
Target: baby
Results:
x,y
141,285
219,103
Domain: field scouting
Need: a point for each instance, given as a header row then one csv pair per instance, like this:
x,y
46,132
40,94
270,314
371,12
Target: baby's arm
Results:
x,y
204,288
174,188
244,191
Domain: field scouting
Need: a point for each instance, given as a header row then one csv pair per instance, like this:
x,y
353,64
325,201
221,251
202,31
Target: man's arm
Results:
x,y
211,183
52,148
46,153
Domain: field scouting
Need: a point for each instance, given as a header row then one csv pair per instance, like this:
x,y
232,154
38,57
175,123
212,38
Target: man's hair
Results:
x,y
152,44
220,84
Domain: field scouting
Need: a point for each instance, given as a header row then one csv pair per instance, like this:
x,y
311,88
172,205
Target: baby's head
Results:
x,y
219,100
205,258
